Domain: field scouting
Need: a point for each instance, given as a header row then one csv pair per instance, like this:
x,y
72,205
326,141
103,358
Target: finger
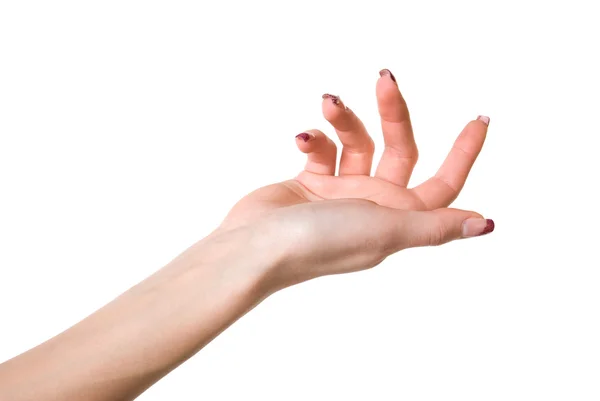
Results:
x,y
444,187
441,226
320,149
358,147
400,154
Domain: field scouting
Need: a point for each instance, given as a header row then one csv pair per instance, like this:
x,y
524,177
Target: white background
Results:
x,y
128,129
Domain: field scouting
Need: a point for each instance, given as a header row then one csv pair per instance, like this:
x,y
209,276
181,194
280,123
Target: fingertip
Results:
x,y
332,99
490,226
305,142
385,73
484,119
334,110
320,150
305,137
390,101
386,88
480,124
476,227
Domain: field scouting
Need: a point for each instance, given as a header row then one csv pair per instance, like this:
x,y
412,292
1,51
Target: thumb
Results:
x,y
439,226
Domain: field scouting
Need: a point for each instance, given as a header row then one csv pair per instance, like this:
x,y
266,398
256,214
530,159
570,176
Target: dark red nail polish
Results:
x,y
304,136
334,99
387,72
489,227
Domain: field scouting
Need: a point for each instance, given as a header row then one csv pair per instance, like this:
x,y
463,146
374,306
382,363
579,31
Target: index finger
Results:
x,y
441,190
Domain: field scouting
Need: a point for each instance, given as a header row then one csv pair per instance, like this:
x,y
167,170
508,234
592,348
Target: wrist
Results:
x,y
244,260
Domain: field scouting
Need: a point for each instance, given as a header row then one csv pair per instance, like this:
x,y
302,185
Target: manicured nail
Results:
x,y
477,227
305,136
484,119
334,99
387,72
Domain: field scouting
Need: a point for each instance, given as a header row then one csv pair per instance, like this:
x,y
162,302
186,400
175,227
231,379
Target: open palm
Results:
x,y
388,187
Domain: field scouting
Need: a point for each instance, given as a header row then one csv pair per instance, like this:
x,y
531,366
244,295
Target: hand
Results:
x,y
279,235
379,214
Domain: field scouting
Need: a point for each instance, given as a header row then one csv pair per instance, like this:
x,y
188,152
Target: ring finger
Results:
x,y
358,147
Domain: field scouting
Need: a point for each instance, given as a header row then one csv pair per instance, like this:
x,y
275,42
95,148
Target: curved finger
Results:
x,y
358,147
400,154
321,151
444,187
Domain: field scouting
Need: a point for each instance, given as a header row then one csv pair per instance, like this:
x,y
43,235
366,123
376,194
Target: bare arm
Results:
x,y
279,235
125,347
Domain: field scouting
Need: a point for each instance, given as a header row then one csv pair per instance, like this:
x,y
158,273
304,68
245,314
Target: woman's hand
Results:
x,y
322,223
279,235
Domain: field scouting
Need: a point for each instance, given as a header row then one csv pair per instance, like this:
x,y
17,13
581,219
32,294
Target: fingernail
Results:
x,y
484,119
334,99
305,136
477,227
387,72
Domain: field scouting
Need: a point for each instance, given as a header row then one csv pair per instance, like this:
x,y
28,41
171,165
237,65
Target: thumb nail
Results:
x,y
477,227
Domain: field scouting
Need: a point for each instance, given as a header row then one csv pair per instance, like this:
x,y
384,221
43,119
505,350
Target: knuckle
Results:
x,y
438,234
370,145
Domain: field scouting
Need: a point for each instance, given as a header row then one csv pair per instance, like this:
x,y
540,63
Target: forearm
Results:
x,y
122,349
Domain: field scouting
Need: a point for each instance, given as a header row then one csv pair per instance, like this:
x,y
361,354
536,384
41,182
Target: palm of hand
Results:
x,y
293,192
388,187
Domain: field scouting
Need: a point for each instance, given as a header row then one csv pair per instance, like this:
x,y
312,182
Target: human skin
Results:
x,y
316,224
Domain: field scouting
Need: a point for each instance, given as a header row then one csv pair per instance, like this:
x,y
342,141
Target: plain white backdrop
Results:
x,y
129,128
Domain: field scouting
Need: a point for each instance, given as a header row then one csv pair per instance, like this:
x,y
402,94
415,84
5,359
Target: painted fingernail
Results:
x,y
484,119
387,72
305,136
334,99
477,227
